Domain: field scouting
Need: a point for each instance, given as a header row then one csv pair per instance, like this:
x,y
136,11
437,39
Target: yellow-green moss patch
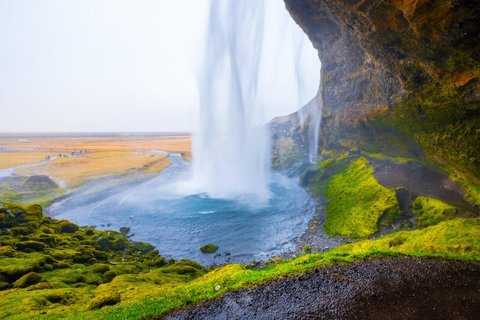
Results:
x,y
430,212
356,201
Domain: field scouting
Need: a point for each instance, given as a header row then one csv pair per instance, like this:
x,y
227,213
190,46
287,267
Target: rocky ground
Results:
x,y
388,288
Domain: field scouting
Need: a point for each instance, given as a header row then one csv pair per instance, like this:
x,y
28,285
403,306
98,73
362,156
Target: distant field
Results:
x,y
9,159
57,145
106,156
72,172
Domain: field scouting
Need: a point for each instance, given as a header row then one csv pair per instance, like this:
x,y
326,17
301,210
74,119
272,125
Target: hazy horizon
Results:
x,y
118,66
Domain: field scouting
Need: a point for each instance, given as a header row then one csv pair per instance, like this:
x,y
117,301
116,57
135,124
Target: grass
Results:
x,y
9,159
356,201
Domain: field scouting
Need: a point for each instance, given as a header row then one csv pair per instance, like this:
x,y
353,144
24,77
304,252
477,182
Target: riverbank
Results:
x,y
76,162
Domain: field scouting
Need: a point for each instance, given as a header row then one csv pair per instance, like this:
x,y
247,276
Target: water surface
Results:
x,y
163,212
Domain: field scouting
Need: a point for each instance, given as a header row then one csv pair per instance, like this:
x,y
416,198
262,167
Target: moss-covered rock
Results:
x,y
4,286
125,230
101,268
28,280
7,251
84,256
89,231
32,245
142,247
110,275
357,201
431,211
68,227
104,299
209,248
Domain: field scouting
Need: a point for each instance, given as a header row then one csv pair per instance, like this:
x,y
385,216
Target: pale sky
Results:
x,y
131,66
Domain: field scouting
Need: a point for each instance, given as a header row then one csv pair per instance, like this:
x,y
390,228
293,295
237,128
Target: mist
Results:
x,y
117,66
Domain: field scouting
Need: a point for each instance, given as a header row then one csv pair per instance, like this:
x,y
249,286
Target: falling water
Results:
x,y
311,113
231,150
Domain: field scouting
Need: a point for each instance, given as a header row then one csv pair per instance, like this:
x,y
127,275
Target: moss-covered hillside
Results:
x,y
54,267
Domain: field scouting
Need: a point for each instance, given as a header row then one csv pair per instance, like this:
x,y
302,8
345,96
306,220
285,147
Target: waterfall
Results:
x,y
231,150
311,113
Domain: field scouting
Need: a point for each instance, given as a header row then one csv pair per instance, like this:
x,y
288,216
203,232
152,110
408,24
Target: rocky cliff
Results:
x,y
399,77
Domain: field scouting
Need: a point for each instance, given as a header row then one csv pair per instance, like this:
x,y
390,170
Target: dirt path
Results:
x,y
388,288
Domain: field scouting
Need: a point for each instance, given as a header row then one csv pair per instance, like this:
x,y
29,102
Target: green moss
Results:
x,y
4,286
110,275
104,299
89,231
32,245
142,247
28,280
457,237
101,268
68,276
68,227
471,191
431,211
357,201
209,248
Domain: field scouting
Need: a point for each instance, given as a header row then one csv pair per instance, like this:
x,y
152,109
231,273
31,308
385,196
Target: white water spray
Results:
x,y
231,150
311,113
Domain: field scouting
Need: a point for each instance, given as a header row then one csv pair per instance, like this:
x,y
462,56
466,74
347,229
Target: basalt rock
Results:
x,y
399,77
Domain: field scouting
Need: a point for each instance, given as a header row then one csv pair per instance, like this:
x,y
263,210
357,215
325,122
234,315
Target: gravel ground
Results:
x,y
387,288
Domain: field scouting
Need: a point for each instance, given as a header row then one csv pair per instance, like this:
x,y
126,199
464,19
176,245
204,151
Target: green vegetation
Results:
x,y
55,269
356,201
431,211
54,265
209,248
471,191
384,157
36,189
74,276
456,238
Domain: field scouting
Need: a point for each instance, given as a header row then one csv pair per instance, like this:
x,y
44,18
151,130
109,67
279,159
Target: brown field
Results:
x,y
9,159
71,172
107,156
57,145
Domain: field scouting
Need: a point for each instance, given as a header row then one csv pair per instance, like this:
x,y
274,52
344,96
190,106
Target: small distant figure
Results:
x,y
131,218
354,152
59,155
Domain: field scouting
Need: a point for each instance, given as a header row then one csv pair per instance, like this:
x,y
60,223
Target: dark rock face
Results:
x,y
399,77
389,288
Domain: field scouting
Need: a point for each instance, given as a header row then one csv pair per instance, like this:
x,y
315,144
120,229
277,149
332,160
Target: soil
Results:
x,y
421,180
387,288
